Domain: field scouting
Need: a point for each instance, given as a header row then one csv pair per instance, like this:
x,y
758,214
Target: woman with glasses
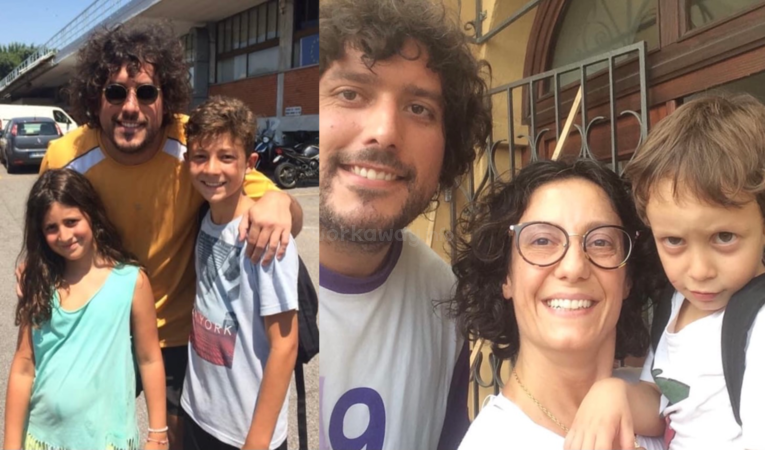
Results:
x,y
554,268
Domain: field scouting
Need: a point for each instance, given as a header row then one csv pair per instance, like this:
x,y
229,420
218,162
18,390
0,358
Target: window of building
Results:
x,y
263,61
305,48
189,49
306,14
262,22
295,53
248,43
272,25
221,31
240,67
227,35
591,28
189,53
253,29
305,51
236,31
703,12
225,70
243,38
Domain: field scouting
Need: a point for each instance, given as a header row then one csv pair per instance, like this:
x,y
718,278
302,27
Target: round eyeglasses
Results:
x,y
117,94
544,244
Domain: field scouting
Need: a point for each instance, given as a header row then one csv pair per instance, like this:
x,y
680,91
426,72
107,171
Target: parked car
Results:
x,y
24,140
64,121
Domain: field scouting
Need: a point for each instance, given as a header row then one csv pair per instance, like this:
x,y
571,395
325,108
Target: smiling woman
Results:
x,y
555,269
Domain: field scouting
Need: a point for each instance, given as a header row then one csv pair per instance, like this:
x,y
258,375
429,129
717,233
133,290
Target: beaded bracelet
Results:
x,y
157,430
158,441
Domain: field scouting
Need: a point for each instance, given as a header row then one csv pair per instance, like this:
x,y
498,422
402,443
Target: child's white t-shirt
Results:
x,y
689,368
229,346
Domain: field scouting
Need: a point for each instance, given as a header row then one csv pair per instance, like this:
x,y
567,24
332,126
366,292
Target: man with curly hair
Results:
x,y
403,107
130,89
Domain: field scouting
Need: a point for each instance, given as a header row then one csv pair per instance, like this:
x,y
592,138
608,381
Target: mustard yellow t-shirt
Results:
x,y
155,208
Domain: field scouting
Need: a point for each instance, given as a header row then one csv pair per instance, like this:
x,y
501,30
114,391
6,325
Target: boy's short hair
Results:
x,y
219,115
380,28
712,148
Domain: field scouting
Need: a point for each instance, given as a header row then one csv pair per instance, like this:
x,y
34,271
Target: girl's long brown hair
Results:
x,y
44,268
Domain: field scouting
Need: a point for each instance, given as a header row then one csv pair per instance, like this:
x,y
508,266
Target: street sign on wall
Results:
x,y
293,111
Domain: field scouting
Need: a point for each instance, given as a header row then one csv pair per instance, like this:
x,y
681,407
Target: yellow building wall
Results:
x,y
506,54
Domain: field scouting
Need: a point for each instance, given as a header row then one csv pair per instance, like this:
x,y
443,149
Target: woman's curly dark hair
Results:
x,y
483,254
379,29
134,44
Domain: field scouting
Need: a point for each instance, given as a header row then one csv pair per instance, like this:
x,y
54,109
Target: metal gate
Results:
x,y
486,371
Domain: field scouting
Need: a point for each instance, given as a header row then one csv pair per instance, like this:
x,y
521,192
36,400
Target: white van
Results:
x,y
64,121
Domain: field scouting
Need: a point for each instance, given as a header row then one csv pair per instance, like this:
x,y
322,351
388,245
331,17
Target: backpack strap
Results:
x,y
308,344
739,316
301,410
308,310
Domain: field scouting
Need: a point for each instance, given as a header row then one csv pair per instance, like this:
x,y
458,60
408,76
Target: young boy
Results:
x,y
699,182
244,336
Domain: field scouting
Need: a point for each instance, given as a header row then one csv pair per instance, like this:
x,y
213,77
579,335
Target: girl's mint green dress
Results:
x,y
84,390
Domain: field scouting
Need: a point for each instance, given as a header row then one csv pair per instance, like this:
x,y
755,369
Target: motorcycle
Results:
x,y
265,148
294,165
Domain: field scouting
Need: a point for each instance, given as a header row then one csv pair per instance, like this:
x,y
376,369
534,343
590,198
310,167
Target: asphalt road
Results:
x,y
13,193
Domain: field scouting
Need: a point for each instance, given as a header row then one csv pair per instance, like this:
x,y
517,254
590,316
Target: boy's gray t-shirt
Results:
x,y
229,348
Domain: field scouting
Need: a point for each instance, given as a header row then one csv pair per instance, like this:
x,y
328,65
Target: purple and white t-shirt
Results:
x,y
389,356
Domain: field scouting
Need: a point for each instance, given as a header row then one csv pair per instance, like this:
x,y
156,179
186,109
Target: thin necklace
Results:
x,y
547,411
544,410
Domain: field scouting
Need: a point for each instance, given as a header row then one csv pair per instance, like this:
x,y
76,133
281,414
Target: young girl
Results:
x,y
72,381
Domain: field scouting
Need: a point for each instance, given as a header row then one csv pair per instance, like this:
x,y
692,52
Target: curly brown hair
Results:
x,y
108,49
483,255
380,28
219,115
44,268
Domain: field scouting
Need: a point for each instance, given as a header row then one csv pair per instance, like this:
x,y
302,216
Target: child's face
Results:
x,y
708,251
217,166
68,232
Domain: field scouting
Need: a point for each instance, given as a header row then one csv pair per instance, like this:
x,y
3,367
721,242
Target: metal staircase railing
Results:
x,y
92,16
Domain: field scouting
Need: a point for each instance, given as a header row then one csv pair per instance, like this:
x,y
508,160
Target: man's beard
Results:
x,y
133,147
373,231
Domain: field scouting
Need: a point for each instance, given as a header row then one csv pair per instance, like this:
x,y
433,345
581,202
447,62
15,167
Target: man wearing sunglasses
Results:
x,y
130,88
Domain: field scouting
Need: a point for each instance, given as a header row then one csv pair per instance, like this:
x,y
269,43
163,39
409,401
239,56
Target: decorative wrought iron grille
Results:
x,y
531,88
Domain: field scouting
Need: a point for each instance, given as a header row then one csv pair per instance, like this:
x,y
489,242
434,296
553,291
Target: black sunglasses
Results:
x,y
116,94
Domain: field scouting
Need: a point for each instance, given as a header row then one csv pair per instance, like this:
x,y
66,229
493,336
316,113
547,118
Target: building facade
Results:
x,y
264,52
266,55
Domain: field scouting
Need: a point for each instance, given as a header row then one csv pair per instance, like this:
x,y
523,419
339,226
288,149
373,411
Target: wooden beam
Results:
x,y
567,127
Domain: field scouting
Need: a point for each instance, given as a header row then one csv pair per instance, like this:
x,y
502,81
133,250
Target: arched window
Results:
x,y
693,45
592,27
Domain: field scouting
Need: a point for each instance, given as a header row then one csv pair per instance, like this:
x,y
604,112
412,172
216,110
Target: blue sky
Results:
x,y
36,21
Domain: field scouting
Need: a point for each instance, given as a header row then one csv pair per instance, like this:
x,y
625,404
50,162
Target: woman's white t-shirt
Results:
x,y
501,425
